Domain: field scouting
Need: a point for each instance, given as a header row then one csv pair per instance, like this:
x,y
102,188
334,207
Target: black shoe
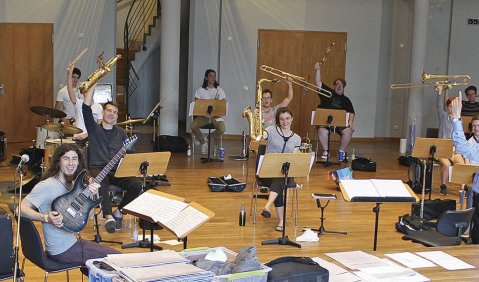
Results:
x,y
110,225
118,223
266,214
443,190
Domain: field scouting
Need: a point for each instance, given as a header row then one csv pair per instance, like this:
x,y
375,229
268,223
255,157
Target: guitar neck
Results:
x,y
104,172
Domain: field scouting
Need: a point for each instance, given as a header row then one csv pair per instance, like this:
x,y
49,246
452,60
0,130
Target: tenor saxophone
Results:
x,y
255,118
93,78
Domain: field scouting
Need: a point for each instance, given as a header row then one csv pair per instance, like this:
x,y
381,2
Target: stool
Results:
x,y
208,127
319,197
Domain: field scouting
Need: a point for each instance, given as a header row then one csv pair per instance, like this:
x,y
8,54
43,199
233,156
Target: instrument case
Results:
x,y
220,184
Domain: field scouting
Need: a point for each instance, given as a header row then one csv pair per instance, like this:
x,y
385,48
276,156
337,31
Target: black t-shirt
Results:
x,y
337,101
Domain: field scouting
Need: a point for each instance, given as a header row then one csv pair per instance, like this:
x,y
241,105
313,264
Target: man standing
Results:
x,y
269,112
105,140
61,245
470,107
63,101
337,101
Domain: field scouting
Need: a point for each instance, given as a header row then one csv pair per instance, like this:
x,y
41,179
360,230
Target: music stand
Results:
x,y
466,123
331,119
278,165
209,108
464,174
428,150
137,165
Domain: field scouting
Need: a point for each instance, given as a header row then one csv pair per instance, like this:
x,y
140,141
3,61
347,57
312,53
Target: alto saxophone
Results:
x,y
255,118
93,78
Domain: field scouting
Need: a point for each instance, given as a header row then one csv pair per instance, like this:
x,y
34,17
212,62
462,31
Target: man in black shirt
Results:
x,y
337,101
104,141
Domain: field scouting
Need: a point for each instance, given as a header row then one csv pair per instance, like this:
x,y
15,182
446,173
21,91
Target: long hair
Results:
x,y
58,154
205,82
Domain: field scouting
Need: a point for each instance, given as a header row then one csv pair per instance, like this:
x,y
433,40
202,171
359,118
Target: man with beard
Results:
x,y
61,245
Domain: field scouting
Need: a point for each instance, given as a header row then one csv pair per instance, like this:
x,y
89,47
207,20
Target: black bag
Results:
x,y
6,243
416,176
174,144
296,269
412,223
363,164
434,208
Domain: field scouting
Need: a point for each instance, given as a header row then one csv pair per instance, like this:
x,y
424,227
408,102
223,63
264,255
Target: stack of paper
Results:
x,y
167,272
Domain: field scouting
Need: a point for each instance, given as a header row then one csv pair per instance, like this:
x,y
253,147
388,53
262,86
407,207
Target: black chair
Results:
x,y
32,248
449,228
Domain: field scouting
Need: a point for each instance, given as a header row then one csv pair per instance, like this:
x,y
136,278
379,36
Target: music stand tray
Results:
x,y
132,165
277,165
329,118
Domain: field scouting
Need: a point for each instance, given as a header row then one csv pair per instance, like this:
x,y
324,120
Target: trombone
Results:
x,y
298,80
443,79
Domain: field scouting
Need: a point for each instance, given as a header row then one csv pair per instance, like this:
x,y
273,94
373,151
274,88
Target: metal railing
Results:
x,y
140,18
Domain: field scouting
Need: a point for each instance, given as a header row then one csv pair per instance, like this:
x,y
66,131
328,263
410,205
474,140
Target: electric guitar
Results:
x,y
75,205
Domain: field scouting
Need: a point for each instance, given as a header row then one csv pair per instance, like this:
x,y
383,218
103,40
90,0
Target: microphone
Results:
x,y
210,109
24,159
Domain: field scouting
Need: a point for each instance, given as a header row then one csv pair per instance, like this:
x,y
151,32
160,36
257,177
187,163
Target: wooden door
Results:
x,y
296,52
26,71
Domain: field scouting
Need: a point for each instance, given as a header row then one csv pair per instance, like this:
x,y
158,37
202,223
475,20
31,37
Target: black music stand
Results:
x,y
331,119
429,150
209,108
278,165
129,167
318,197
351,193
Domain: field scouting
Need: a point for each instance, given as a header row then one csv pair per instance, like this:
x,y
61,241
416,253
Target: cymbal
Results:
x,y
128,121
58,127
48,112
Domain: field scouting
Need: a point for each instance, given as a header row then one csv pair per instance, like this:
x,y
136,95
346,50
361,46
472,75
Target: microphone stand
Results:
x,y
17,239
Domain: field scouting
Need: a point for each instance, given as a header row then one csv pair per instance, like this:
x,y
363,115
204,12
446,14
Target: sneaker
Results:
x,y
324,155
118,223
340,156
110,225
204,148
443,190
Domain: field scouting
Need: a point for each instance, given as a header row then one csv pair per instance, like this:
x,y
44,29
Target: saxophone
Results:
x,y
93,78
255,118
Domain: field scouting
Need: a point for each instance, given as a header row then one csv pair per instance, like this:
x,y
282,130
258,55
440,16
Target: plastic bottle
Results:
x,y
135,231
222,154
412,136
188,153
242,215
215,151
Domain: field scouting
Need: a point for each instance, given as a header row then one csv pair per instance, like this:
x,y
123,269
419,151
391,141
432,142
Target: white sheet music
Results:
x,y
186,220
360,188
148,204
375,188
169,211
390,188
445,260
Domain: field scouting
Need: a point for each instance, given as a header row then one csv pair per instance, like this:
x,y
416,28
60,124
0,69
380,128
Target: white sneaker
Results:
x,y
324,155
204,148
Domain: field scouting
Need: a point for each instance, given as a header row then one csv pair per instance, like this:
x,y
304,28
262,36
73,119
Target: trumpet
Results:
x,y
443,79
298,80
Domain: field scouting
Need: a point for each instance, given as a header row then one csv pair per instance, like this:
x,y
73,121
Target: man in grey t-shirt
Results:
x,y
269,112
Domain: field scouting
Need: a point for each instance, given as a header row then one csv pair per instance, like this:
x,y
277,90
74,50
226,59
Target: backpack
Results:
x,y
416,176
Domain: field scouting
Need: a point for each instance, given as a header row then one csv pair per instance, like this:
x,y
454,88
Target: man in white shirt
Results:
x,y
63,101
208,91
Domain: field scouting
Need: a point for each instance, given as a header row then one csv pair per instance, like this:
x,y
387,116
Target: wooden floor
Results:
x,y
188,179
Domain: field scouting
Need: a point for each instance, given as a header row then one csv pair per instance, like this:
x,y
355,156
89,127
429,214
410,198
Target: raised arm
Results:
x,y
89,96
71,90
288,99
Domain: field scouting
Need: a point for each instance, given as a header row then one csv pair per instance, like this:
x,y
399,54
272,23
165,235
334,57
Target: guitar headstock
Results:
x,y
129,142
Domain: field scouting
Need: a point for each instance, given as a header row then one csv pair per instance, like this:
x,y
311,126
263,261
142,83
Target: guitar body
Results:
x,y
75,206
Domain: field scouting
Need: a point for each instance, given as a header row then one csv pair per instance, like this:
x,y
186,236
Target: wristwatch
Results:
x,y
45,218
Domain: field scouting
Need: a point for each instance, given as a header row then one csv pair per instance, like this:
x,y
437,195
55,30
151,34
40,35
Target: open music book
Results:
x,y
169,211
371,190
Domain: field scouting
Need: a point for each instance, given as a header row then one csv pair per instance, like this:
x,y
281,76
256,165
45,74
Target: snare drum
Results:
x,y
43,135
3,146
50,146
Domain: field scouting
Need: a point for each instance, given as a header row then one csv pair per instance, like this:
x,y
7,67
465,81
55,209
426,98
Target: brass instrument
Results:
x,y
306,146
298,80
327,53
442,79
102,70
255,118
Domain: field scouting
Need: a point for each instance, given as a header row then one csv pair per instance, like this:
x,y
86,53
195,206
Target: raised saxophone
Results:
x,y
93,78
255,118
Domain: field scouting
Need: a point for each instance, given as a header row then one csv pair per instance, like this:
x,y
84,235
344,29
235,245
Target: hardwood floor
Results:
x,y
188,178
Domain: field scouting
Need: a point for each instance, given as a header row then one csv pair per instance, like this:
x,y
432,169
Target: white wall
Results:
x,y
77,25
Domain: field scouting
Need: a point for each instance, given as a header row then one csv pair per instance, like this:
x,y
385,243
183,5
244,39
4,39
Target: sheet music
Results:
x,y
260,162
390,188
410,260
169,211
171,271
445,260
336,273
148,204
145,259
357,259
375,188
186,220
360,188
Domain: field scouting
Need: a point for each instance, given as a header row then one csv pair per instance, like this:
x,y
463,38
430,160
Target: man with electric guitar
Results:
x,y
105,140
61,244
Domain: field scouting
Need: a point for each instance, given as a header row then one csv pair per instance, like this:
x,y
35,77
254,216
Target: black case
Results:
x,y
174,144
220,184
434,208
6,243
296,269
363,164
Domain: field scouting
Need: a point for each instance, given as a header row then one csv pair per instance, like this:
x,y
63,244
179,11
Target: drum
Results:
x,y
42,135
50,146
3,146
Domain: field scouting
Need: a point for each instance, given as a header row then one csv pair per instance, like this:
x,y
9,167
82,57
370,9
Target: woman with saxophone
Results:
x,y
281,139
269,111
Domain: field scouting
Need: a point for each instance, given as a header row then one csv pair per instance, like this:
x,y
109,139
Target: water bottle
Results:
x,y
188,153
353,155
135,231
222,154
412,136
242,215
215,152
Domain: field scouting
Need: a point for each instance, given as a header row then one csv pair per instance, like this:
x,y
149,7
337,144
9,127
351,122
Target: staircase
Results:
x,y
143,15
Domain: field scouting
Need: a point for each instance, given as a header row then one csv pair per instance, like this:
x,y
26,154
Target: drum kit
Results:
x,y
51,135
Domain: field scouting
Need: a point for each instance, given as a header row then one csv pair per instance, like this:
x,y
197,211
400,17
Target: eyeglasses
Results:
x,y
267,98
